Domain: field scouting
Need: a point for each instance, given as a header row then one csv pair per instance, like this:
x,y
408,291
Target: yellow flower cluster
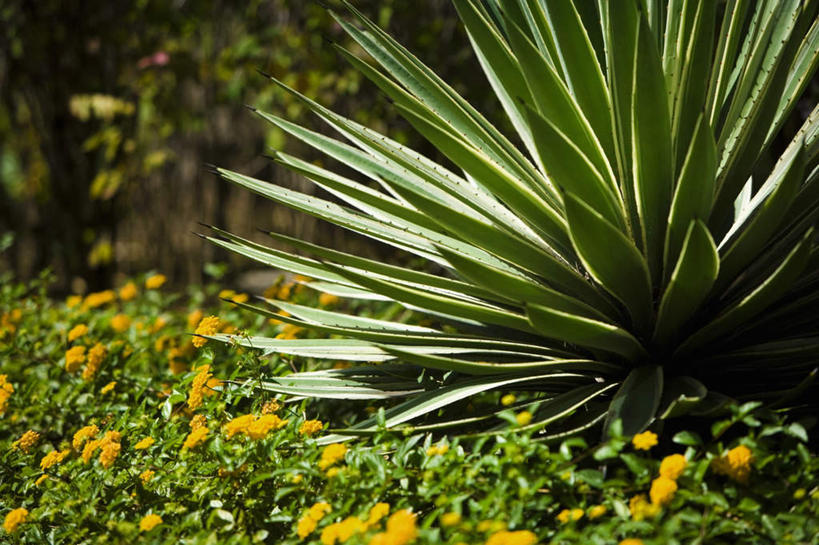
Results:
x,y
632,541
508,399
271,407
307,524
328,300
673,466
41,479
14,519
597,511
309,428
154,282
9,321
207,326
735,464
198,421
128,291
149,522
400,529
198,386
108,387
96,355
6,389
195,438
109,447
437,450
450,519
339,532
53,458
523,418
290,332
644,441
74,358
144,443
570,515
663,488
252,426
98,299
520,537
377,512
76,332
331,454
26,441
83,434
146,476
641,509
120,322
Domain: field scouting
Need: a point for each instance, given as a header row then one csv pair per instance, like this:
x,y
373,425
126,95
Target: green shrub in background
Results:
x,y
107,449
641,247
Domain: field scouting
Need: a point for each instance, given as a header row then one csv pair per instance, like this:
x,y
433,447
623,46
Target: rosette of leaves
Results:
x,y
640,246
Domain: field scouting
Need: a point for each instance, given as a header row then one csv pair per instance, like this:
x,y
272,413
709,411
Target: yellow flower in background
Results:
x,y
644,441
146,476
377,512
305,527
332,472
662,490
271,407
95,358
290,332
83,434
318,510
632,541
597,511
109,453
673,466
149,522
520,537
226,294
108,387
207,326
331,454
198,385
401,527
6,389
98,299
26,441
53,458
273,321
195,438
155,281
523,418
735,464
508,399
309,428
437,450
263,425
450,519
240,298
144,443
76,332
74,358
14,519
198,421
128,291
120,322
328,300
570,515
89,449
157,325
238,425
41,479
73,300
194,317
342,531
641,509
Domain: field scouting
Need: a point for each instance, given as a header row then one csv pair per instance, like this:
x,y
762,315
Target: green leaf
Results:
x,y
636,402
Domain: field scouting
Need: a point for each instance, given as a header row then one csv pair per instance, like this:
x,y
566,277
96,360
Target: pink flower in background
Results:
x,y
160,58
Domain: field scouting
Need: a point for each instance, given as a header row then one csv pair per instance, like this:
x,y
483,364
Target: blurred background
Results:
x,y
110,113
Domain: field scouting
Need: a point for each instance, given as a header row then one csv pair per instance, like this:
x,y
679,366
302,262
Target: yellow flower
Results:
x,y
196,437
89,449
342,531
662,490
238,425
97,299
73,300
523,418
332,472
154,282
240,298
108,387
14,519
520,537
290,332
378,511
641,509
673,466
28,440
632,541
207,326
450,519
226,294
74,358
401,527
566,515
157,325
87,432
198,421
197,387
120,322
53,458
144,443
273,321
296,479
41,479
597,511
508,399
318,510
194,318
437,450
146,476
6,389
309,428
272,406
95,358
259,428
128,291
328,300
76,332
305,527
110,451
644,441
736,464
149,522
331,454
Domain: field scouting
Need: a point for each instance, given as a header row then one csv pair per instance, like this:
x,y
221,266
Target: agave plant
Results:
x,y
639,245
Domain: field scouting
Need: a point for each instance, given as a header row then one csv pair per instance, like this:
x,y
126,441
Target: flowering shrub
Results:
x,y
160,443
